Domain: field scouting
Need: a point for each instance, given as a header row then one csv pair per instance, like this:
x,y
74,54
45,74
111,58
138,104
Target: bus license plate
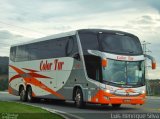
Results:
x,y
126,100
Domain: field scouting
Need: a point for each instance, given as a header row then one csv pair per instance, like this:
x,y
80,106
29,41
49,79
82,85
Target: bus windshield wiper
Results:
x,y
108,82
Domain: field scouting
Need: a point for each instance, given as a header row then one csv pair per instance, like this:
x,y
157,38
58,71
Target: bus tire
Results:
x,y
79,98
22,94
116,106
30,98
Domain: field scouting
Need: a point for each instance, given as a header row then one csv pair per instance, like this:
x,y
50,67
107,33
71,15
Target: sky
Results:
x,y
24,20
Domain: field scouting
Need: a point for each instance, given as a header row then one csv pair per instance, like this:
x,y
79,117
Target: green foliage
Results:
x,y
154,87
3,73
23,111
3,84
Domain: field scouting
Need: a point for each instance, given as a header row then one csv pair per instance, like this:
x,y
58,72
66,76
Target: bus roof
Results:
x,y
70,34
47,38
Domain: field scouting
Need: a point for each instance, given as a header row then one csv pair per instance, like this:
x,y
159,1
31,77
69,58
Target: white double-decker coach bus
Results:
x,y
86,66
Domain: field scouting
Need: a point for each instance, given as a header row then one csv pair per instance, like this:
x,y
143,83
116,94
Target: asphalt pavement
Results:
x,y
91,111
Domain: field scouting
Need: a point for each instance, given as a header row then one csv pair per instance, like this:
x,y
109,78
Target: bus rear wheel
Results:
x,y
79,99
116,106
30,98
22,94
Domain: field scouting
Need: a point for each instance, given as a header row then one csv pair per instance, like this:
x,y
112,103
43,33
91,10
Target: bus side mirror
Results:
x,y
152,60
153,65
104,62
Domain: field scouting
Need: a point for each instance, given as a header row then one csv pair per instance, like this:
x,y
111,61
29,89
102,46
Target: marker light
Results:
x,y
104,62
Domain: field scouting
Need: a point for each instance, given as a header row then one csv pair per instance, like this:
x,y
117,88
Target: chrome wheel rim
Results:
x,y
29,95
78,98
22,95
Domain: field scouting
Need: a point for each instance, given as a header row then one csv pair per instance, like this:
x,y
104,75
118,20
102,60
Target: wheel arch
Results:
x,y
28,86
74,91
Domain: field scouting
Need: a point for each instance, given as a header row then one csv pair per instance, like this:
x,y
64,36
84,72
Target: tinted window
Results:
x,y
72,46
48,49
88,41
12,53
45,49
21,54
120,44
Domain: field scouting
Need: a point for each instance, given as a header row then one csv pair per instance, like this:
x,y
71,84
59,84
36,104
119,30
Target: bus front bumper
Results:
x,y
103,97
123,100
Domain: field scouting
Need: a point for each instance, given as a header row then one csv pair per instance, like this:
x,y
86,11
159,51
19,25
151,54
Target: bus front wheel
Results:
x,y
79,98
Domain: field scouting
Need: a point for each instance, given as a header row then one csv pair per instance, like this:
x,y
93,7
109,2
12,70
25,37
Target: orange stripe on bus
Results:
x,y
31,70
38,75
14,77
34,81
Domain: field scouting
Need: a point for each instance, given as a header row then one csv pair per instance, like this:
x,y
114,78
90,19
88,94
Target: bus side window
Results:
x,y
69,46
17,54
72,48
89,41
12,53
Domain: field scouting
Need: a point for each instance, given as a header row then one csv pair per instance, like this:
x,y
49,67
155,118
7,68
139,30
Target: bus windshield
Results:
x,y
124,73
121,44
111,43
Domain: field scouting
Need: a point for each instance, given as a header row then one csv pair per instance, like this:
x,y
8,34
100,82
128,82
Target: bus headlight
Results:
x,y
143,92
107,91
